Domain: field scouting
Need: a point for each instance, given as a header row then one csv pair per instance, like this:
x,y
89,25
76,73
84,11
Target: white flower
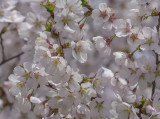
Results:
x,y
24,105
125,111
123,28
65,19
73,6
144,72
101,15
156,102
111,22
103,45
136,38
19,71
37,79
146,64
122,58
13,16
87,91
35,20
99,108
56,65
103,75
83,110
74,81
80,50
42,40
42,54
151,39
24,29
129,73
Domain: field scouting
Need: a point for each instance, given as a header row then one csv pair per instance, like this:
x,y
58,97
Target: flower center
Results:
x,y
127,28
147,67
99,106
134,37
65,20
37,23
77,49
103,14
149,41
56,61
112,17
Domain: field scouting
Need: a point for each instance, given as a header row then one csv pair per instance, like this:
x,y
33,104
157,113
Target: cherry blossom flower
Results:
x,y
80,50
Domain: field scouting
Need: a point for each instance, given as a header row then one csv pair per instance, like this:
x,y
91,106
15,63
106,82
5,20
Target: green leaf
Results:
x,y
84,2
59,50
48,26
49,6
143,100
4,30
67,45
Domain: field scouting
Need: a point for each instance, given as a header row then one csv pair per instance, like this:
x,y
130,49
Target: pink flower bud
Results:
x,y
150,109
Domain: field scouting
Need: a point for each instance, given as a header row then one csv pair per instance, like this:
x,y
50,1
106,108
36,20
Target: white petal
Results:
x,y
35,99
60,3
147,31
142,84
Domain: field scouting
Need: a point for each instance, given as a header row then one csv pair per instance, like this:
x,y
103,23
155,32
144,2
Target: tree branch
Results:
x,y
2,47
7,60
157,60
60,43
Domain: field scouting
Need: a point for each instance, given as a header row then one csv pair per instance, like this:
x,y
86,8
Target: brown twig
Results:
x,y
2,47
60,43
7,60
157,60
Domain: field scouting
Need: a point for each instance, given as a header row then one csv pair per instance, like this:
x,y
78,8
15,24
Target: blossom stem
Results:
x,y
154,83
60,43
89,7
138,48
82,19
158,24
112,37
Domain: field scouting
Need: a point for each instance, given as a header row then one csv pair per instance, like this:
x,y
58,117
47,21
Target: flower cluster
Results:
x,y
82,60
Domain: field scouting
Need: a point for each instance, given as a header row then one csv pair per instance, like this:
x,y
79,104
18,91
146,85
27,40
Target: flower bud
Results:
x,y
150,109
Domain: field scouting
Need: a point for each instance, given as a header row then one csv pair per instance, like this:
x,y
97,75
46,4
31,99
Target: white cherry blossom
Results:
x,y
80,50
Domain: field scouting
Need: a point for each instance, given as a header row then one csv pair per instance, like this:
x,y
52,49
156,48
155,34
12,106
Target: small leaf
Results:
x,y
84,2
67,45
49,6
143,100
48,26
59,50
4,30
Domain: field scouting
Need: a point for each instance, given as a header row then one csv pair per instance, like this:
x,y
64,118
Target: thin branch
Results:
x,y
158,24
2,47
60,43
157,60
154,83
7,60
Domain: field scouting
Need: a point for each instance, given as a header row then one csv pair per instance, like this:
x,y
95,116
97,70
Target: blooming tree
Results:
x,y
79,59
